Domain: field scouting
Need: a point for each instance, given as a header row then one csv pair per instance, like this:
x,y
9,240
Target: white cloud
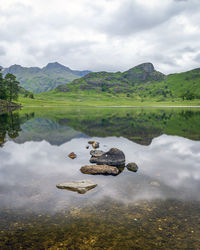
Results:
x,y
100,35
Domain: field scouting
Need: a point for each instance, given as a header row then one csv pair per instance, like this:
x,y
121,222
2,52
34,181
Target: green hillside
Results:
x,y
38,80
142,82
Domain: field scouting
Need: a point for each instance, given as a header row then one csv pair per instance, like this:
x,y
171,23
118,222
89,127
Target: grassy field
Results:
x,y
92,98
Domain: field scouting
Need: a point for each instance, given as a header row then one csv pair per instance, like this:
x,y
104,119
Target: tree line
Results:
x,y
9,87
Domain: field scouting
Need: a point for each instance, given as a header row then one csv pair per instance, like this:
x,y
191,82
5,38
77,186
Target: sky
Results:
x,y
111,35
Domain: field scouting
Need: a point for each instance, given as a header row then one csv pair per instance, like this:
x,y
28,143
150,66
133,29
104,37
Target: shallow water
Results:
x,y
157,207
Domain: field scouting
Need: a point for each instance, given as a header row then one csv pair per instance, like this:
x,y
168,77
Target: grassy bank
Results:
x,y
91,98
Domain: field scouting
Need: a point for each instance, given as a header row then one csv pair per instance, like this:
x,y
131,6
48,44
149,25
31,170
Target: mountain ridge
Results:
x,y
36,79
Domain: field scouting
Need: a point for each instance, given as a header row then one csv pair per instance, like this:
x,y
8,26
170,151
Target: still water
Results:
x,y
157,207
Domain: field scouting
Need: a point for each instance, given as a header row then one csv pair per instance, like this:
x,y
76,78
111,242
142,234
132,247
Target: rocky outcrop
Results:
x,y
77,186
99,169
114,157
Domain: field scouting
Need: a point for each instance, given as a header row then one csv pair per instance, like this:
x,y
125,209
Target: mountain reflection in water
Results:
x,y
157,207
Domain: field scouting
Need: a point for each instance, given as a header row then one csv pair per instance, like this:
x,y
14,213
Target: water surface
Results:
x,y
157,207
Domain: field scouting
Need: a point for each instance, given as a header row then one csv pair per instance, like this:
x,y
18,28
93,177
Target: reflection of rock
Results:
x,y
77,186
100,169
114,157
72,155
132,167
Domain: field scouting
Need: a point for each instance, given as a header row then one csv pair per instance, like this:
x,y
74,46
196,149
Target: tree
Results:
x,y
12,87
2,88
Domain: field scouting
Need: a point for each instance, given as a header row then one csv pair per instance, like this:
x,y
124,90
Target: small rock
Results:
x,y
78,186
95,144
87,147
100,169
91,142
114,157
72,155
132,167
96,153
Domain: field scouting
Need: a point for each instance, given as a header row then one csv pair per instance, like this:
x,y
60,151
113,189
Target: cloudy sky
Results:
x,y
99,35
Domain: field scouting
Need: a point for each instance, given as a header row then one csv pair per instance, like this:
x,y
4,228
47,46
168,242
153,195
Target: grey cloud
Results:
x,y
2,51
132,17
197,58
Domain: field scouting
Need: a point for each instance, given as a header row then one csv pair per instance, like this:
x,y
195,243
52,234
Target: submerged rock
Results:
x,y
72,155
132,167
114,157
77,186
99,169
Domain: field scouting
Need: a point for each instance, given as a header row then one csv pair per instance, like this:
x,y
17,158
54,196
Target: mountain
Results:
x,y
38,80
116,82
142,82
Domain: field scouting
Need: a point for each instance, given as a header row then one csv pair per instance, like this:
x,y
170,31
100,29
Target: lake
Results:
x,y
157,207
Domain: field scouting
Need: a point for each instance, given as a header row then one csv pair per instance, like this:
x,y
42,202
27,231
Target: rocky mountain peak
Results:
x,y
147,67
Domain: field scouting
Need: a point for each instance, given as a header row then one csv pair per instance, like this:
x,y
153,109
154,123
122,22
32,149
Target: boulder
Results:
x,y
114,157
132,167
77,186
100,169
72,155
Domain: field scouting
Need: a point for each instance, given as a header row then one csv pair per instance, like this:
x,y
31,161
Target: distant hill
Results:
x,y
142,82
116,82
38,80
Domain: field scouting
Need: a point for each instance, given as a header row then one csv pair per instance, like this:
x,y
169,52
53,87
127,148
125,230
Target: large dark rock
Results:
x,y
114,157
100,169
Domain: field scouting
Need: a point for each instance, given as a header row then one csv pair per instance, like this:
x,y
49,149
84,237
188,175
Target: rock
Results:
x,y
114,157
91,142
72,155
95,144
93,159
100,169
132,167
87,147
78,186
96,153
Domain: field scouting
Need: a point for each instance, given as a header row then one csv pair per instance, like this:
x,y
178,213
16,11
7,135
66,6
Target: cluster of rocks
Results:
x,y
107,163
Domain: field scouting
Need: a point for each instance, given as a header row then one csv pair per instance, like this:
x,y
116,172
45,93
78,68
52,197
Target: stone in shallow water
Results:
x,y
72,155
78,186
96,153
100,169
132,167
114,157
